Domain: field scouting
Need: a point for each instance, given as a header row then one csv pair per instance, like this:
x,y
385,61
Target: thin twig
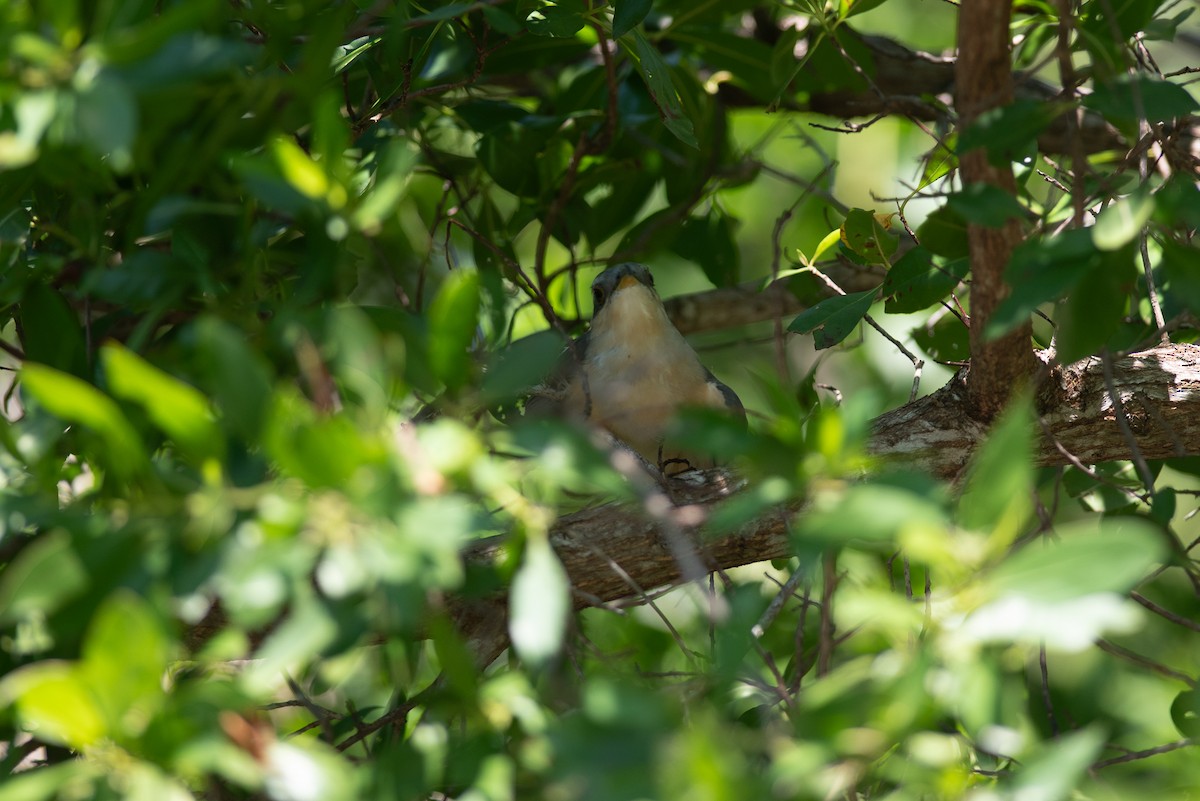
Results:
x,y
1149,752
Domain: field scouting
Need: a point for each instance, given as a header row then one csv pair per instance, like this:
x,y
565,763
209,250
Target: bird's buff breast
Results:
x,y
638,379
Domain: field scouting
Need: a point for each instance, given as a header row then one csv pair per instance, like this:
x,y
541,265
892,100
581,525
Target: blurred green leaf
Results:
x,y
1046,269
868,514
539,603
50,330
1067,592
106,114
453,318
985,204
1121,222
235,375
124,659
832,320
53,701
175,407
999,488
1128,98
1008,132
77,401
47,573
947,340
1055,771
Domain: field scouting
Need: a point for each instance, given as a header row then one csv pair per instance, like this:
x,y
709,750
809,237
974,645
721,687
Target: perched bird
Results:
x,y
633,370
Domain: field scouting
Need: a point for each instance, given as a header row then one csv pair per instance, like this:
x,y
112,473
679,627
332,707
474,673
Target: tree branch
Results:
x,y
1160,389
984,79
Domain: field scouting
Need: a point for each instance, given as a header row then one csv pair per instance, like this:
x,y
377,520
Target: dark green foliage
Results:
x,y
277,278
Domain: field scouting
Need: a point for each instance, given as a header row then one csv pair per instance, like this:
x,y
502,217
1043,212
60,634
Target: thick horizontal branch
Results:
x,y
1159,390
613,552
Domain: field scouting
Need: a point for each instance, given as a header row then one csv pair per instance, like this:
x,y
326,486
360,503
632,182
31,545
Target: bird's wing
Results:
x,y
732,402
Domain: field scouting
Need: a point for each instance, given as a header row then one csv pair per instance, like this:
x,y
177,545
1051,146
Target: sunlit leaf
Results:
x,y
54,703
124,659
77,401
45,575
1122,221
175,407
999,488
539,603
452,321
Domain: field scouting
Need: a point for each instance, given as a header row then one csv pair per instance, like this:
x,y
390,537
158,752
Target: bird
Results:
x,y
632,371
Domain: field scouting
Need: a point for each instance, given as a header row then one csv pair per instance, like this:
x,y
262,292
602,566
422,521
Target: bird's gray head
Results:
x,y
616,278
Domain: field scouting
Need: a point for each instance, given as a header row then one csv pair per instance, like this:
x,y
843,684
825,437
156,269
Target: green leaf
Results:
x,y
1055,771
51,333
628,14
1068,591
1129,98
561,19
868,513
1181,265
947,341
514,371
453,317
657,76
506,152
307,629
944,233
175,407
918,281
999,488
539,604
235,375
849,8
125,656
77,401
1092,313
54,704
832,320
1042,270
45,575
865,235
1008,132
709,241
106,114
1185,713
1121,222
985,204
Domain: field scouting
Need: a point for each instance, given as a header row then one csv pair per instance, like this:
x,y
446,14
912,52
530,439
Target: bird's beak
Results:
x,y
627,281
